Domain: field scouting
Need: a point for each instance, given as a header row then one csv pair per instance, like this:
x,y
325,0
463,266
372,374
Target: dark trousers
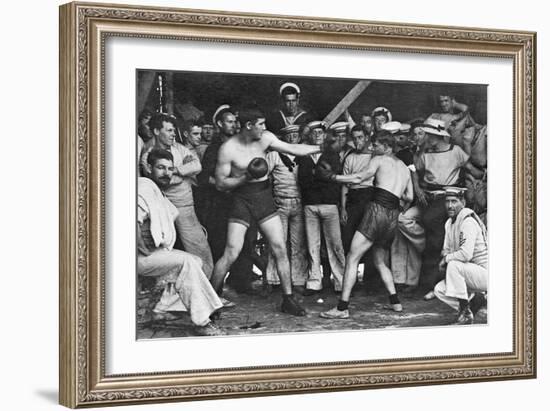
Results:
x,y
434,217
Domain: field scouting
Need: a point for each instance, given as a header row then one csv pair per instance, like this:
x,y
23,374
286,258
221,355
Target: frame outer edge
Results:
x,y
76,376
68,296
533,261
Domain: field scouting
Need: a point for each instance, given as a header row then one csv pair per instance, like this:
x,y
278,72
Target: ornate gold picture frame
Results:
x,y
84,30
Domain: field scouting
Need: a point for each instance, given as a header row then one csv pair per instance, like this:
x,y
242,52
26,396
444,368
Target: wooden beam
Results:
x,y
347,101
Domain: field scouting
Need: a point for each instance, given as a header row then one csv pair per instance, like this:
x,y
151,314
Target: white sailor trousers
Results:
x,y
185,271
327,217
460,281
292,217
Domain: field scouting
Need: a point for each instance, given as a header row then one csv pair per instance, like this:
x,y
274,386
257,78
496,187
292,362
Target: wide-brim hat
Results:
x,y
435,127
381,110
291,85
317,124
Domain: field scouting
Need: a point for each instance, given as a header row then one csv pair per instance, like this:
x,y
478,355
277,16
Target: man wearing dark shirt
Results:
x,y
318,177
291,112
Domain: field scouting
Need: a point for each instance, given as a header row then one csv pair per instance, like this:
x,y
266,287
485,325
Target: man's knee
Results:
x,y
278,249
455,268
379,258
354,255
232,252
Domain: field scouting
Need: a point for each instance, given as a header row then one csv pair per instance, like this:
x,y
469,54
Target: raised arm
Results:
x,y
461,107
224,180
295,149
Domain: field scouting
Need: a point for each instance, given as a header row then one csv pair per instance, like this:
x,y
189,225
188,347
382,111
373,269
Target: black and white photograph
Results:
x,y
277,204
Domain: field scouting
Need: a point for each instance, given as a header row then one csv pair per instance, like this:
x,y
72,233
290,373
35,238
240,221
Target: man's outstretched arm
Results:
x,y
294,149
324,172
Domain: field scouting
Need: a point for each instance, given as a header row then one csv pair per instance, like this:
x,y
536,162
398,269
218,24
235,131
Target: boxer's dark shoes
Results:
x,y
465,317
291,306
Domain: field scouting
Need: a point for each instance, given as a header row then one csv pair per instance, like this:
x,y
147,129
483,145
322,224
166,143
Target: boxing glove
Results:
x,y
257,168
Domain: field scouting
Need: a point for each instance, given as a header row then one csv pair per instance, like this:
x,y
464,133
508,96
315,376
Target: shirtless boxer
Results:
x,y
242,169
379,224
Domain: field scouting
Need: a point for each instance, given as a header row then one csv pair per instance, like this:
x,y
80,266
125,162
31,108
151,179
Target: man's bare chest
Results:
x,y
244,154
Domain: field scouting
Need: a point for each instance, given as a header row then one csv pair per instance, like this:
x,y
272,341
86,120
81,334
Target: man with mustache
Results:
x,y
179,191
156,235
464,258
440,165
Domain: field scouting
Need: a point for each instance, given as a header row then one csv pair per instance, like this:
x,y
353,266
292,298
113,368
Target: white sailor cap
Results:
x,y
381,111
317,124
223,107
404,129
291,85
391,126
293,128
455,192
339,126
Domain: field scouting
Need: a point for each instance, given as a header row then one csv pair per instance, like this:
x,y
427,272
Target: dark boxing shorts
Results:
x,y
379,224
252,202
359,195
